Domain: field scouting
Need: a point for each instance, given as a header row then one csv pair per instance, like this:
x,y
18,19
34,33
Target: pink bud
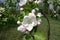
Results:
x,y
38,23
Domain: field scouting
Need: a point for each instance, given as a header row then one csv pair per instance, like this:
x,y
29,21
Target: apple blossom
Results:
x,y
30,20
51,6
54,15
0,15
22,2
2,9
48,1
54,11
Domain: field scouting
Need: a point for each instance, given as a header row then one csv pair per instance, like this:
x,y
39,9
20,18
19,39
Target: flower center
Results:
x,y
29,21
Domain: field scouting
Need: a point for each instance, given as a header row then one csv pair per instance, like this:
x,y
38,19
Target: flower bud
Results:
x,y
18,22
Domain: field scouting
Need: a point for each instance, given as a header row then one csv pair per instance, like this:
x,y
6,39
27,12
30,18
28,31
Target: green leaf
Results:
x,y
40,36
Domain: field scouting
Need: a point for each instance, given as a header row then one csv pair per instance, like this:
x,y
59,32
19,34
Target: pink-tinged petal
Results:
x,y
38,23
22,28
31,15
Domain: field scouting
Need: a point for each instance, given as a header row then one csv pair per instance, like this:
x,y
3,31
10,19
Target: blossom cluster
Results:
x,y
29,21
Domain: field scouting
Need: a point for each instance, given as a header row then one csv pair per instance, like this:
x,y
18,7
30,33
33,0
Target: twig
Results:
x,y
45,15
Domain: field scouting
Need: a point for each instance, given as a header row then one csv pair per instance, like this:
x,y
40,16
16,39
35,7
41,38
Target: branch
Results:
x,y
45,15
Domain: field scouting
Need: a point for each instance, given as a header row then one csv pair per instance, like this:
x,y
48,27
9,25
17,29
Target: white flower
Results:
x,y
31,14
2,9
0,15
30,21
48,1
39,14
18,22
54,15
51,6
54,11
21,9
21,28
22,2
38,1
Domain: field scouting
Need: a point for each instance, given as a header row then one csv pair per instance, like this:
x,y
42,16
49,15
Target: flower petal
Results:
x,y
22,28
31,14
30,27
22,2
39,14
25,20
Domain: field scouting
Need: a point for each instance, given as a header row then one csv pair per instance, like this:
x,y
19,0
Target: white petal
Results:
x,y
2,9
33,18
31,14
51,6
25,20
0,15
33,11
39,14
34,23
39,22
21,28
22,2
30,27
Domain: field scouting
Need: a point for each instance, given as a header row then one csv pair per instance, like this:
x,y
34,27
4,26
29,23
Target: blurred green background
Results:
x,y
8,25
